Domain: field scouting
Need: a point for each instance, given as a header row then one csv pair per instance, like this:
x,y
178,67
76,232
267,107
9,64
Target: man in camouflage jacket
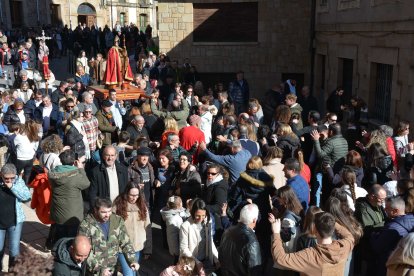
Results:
x,y
108,237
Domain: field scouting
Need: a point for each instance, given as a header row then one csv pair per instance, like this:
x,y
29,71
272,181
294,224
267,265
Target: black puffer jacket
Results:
x,y
74,139
64,265
288,143
239,252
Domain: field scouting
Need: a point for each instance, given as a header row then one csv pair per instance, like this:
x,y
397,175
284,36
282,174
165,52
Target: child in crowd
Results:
x,y
174,214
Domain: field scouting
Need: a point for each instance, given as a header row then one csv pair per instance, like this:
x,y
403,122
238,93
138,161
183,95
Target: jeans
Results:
x,y
317,189
13,234
126,269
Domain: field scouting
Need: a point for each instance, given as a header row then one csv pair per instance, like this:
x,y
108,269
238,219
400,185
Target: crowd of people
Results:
x,y
239,186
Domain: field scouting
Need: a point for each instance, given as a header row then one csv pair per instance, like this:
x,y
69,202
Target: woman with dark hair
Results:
x,y
187,180
131,206
379,165
164,174
282,116
353,161
345,218
287,207
26,144
308,238
196,239
350,187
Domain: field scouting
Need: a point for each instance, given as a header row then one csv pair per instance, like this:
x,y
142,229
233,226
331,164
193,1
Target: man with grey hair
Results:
x,y
235,162
384,241
239,251
250,145
137,129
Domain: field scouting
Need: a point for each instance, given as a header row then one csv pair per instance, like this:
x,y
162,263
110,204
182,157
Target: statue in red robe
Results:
x,y
118,71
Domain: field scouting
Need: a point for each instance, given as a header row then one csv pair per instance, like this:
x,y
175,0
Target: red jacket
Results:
x,y
41,199
391,151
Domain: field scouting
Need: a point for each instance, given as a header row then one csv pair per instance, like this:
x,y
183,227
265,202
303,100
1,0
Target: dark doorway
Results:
x,y
16,9
381,83
86,14
55,14
346,72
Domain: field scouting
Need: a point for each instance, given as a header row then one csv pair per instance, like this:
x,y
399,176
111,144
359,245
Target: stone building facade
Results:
x,y
366,46
32,13
269,40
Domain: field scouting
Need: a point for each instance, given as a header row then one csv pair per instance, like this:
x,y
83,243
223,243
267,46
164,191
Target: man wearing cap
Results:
x,y
106,122
141,173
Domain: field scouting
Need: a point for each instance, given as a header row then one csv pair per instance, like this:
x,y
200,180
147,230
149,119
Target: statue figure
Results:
x,y
118,71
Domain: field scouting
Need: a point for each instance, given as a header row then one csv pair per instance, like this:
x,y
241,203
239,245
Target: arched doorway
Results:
x,y
86,14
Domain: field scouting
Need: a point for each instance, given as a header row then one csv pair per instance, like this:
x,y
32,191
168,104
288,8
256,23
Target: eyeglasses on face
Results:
x,y
70,106
87,112
212,173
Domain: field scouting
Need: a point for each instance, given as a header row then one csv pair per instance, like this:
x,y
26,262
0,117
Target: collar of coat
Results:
x,y
257,182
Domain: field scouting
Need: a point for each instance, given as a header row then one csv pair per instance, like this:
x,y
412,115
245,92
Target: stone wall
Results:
x,y
383,35
282,46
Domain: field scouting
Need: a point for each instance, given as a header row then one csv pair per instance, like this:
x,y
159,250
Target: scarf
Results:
x,y
215,180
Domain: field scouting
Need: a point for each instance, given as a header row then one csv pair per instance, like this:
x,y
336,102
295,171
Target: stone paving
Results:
x,y
34,235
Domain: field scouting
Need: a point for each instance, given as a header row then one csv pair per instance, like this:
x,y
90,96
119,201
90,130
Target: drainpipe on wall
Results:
x,y
37,9
70,20
312,46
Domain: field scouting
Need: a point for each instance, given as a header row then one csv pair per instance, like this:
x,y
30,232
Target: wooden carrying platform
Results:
x,y
132,93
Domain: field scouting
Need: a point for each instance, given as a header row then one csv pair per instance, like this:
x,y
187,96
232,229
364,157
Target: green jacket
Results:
x,y
104,252
180,116
67,183
106,128
334,148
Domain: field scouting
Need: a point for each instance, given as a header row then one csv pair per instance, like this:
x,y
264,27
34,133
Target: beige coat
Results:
x,y
139,231
398,264
275,168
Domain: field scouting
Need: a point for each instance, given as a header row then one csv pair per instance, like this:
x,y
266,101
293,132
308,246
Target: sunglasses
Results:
x,y
211,173
70,106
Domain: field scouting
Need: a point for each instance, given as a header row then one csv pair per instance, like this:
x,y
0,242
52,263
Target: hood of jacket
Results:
x,y
168,213
62,172
61,252
292,140
403,224
257,178
333,253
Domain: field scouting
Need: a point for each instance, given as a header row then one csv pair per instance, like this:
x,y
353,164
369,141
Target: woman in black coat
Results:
x,y
75,137
215,195
187,180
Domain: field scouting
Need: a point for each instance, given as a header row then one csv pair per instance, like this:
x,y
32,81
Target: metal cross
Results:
x,y
43,37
